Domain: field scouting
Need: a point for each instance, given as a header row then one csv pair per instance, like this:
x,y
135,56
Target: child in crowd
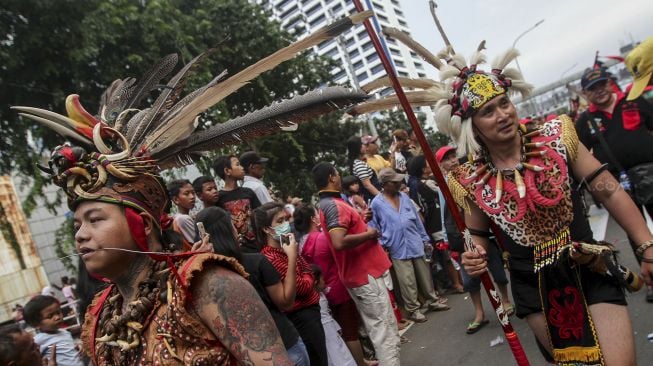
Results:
x,y
351,189
206,190
238,201
182,194
17,348
44,314
337,351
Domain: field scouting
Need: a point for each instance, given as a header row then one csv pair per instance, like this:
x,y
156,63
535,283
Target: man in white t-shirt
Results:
x,y
254,166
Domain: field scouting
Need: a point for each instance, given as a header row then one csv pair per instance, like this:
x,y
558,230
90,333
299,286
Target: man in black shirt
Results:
x,y
238,201
625,125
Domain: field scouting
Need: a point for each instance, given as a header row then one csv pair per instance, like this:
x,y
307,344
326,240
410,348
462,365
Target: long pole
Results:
x,y
521,35
511,335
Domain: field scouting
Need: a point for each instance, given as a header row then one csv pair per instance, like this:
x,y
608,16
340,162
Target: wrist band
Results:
x,y
642,248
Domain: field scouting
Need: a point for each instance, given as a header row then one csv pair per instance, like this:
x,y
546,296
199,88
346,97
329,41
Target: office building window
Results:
x,y
372,57
317,21
376,69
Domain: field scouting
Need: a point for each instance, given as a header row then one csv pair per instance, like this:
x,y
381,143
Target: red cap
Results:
x,y
439,155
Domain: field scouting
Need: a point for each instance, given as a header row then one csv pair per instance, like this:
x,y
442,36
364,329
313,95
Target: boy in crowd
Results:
x,y
182,194
17,348
238,201
44,314
206,190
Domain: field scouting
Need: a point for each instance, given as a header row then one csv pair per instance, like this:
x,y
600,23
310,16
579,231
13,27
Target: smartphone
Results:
x,y
200,229
285,240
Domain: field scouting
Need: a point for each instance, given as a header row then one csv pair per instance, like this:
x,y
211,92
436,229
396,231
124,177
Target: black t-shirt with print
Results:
x,y
262,274
626,131
239,203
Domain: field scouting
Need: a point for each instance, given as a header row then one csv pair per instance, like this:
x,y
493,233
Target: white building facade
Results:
x,y
353,51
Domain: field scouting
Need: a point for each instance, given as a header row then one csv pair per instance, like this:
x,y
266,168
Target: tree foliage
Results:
x,y
49,49
388,121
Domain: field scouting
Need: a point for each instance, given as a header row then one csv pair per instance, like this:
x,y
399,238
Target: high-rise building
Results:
x,y
22,274
353,50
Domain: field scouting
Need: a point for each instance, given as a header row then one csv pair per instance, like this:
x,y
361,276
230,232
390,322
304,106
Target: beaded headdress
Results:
x,y
463,89
116,156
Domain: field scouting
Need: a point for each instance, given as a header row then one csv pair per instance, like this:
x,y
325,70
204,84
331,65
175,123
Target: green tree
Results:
x,y
49,49
388,121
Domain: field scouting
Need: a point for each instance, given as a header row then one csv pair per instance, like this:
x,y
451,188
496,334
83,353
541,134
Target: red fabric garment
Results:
x,y
355,264
593,108
306,293
317,250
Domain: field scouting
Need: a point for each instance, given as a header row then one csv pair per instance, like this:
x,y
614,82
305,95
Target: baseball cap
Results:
x,y
439,155
250,157
369,139
593,76
640,63
389,175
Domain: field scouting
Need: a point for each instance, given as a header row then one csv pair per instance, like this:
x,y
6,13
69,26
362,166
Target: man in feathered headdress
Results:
x,y
522,180
160,307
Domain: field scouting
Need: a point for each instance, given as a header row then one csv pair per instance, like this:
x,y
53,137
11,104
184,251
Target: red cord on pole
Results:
x,y
513,341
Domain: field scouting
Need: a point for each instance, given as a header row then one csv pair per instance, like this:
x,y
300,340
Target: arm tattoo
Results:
x,y
239,318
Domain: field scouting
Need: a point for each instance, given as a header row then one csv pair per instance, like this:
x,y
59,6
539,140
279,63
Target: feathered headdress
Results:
x,y
120,151
462,89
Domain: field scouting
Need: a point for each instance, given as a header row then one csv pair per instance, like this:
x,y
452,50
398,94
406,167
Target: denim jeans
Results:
x,y
298,354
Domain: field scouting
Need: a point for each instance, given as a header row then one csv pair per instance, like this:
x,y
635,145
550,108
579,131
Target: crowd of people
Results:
x,y
249,279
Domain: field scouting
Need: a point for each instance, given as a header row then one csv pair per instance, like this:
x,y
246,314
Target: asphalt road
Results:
x,y
442,339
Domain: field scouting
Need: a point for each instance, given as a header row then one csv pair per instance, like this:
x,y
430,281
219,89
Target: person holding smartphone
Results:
x,y
280,248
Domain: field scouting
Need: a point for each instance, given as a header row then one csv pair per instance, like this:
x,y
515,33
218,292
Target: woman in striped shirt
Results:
x,y
280,248
370,186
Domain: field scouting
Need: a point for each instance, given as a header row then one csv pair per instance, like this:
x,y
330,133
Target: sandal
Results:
x,y
474,327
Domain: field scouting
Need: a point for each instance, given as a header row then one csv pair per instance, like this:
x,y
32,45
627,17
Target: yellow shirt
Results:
x,y
377,162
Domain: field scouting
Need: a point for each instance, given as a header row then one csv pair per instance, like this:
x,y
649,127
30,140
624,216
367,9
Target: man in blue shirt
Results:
x,y
404,237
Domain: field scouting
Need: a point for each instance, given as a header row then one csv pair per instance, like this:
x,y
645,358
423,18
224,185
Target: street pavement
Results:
x,y
442,339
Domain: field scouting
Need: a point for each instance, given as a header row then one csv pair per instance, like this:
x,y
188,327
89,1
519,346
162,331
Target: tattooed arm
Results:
x,y
230,307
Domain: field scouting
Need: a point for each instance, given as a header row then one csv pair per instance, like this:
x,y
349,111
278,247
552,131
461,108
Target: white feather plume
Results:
x,y
448,72
477,58
501,61
459,61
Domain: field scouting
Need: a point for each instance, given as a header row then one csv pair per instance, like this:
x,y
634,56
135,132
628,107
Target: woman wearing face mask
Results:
x,y
315,248
280,248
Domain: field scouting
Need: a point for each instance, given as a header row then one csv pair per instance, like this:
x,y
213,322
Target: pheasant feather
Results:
x,y
178,126
413,45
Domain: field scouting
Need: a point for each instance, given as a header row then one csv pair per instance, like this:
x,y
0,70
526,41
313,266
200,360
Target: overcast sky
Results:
x,y
572,31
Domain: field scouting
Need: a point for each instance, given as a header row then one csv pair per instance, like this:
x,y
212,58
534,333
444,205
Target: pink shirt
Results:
x,y
317,250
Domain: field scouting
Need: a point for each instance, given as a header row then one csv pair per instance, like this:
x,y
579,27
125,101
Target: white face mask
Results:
x,y
281,229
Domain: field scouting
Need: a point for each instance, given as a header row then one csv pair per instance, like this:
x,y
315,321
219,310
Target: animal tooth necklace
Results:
x,y
486,169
